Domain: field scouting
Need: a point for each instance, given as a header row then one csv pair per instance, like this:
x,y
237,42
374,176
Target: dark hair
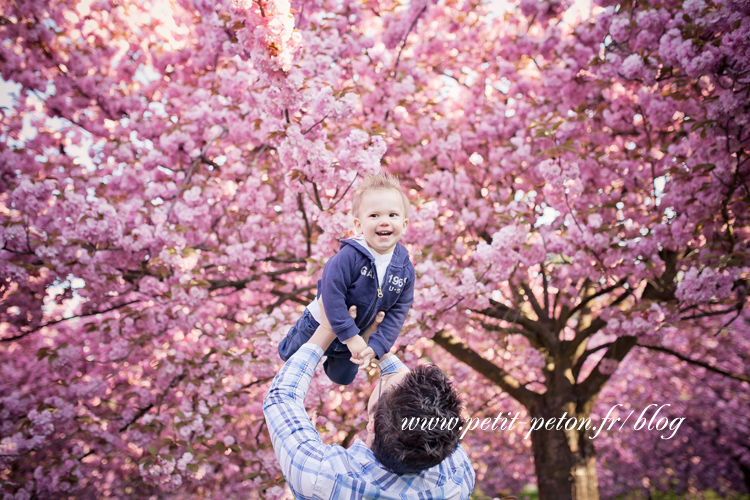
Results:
x,y
424,394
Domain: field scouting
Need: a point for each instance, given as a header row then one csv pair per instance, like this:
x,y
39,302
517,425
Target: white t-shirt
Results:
x,y
381,266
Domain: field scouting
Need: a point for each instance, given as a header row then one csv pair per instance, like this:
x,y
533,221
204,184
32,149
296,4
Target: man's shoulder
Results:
x,y
342,465
350,468
459,460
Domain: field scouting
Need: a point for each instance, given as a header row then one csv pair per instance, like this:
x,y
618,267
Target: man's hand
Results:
x,y
364,358
367,355
356,345
364,354
324,335
373,326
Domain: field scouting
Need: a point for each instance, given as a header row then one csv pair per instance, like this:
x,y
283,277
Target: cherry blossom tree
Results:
x,y
708,450
174,175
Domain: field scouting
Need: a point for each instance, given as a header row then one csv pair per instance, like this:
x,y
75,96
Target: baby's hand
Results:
x,y
365,357
356,345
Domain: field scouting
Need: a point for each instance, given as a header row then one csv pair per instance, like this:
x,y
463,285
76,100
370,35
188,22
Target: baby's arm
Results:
x,y
383,339
356,345
365,357
368,354
337,276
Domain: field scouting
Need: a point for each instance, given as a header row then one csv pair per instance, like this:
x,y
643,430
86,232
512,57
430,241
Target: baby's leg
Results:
x,y
339,368
300,333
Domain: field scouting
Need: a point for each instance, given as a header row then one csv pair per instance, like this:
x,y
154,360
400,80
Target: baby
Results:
x,y
371,271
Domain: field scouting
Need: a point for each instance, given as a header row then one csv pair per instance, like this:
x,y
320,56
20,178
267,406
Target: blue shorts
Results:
x,y
337,365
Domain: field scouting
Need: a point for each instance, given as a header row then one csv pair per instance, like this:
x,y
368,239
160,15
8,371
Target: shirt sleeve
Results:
x,y
388,331
391,365
333,286
298,446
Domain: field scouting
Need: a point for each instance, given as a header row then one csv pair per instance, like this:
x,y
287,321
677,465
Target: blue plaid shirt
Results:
x,y
314,470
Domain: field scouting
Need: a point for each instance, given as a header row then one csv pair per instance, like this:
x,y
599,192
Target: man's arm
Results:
x,y
298,446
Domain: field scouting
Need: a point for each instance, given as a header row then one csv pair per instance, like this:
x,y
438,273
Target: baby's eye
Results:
x,y
373,215
394,215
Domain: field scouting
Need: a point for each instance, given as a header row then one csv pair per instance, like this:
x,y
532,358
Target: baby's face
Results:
x,y
382,219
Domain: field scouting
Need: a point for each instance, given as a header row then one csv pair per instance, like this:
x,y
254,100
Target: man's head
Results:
x,y
422,394
381,211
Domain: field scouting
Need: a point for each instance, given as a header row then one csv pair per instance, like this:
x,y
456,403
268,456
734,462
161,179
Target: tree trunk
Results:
x,y
564,460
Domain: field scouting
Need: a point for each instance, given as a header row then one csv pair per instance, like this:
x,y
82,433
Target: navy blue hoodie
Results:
x,y
350,278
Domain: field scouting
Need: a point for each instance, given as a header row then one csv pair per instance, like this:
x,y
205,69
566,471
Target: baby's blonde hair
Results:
x,y
378,181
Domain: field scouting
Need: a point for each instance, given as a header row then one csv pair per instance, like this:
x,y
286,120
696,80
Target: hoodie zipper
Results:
x,y
380,289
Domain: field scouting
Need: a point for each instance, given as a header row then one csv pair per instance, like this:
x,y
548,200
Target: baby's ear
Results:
x,y
357,225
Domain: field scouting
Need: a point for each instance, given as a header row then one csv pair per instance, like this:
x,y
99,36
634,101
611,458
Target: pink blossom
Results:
x,y
632,66
705,286
173,183
595,221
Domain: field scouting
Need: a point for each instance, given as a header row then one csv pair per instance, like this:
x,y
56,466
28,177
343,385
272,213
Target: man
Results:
x,y
396,462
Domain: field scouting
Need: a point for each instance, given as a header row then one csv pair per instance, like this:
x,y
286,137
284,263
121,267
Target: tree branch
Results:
x,y
146,408
596,380
541,314
505,313
308,228
589,298
293,297
240,284
314,124
489,370
571,345
702,364
546,290
712,313
579,363
595,326
94,313
224,130
406,36
258,154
